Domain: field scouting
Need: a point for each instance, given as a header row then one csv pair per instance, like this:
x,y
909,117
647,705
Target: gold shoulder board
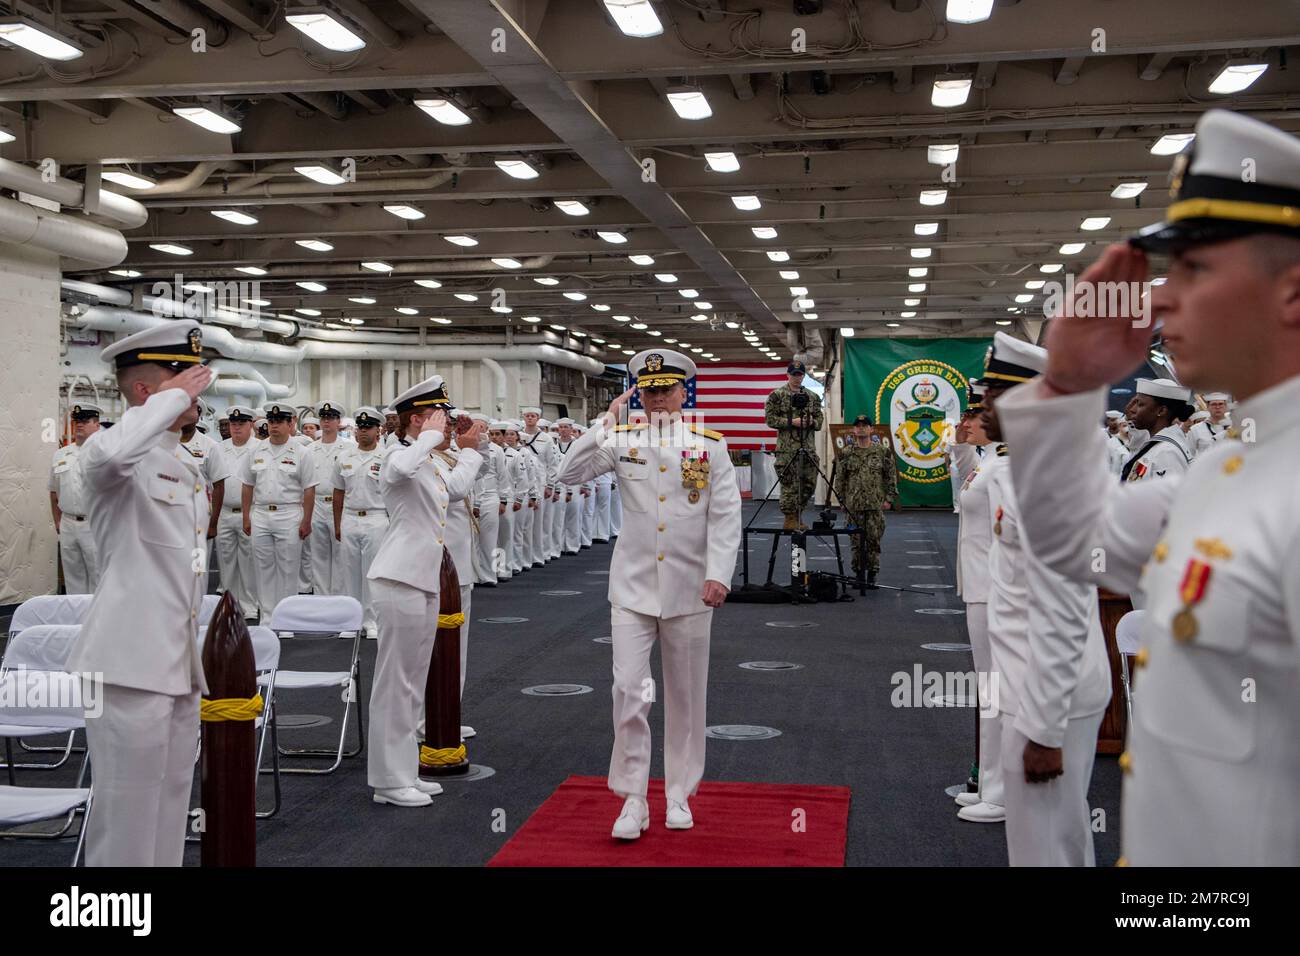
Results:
x,y
629,428
706,432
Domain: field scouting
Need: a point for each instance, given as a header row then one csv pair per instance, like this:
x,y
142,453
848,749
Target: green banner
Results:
x,y
916,387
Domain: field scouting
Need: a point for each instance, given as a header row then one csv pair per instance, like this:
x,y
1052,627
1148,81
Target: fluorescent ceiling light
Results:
x,y
208,119
257,302
629,352
517,168
572,207
925,228
725,162
688,293
1236,75
444,111
251,270
1072,248
810,315
969,11
353,321
655,332
1159,280
763,232
311,286
403,211
698,318
1001,321
942,154
406,310
315,245
577,333
665,277
916,287
1035,284
689,103
428,283
171,248
779,255
640,326
950,90
196,287
803,305
502,309
375,265
312,312
666,341
789,274
933,197
36,38
911,302
361,299
918,272
461,240
892,325
1050,267
1024,297
320,173
600,307
1093,223
697,350
235,216
123,177
507,263
907,315
921,252
798,290
610,236
1171,143
440,320
599,341
6,136
642,260
321,26
746,203
636,18
622,318
1128,190
546,280
575,296
466,296
703,305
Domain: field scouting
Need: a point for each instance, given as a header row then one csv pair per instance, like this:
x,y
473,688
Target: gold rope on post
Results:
x,y
231,708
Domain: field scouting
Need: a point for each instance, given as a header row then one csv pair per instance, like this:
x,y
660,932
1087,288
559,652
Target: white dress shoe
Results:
x,y
467,732
634,819
431,787
982,813
679,816
403,797
967,799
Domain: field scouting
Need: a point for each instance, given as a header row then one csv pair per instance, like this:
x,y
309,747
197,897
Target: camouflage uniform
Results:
x,y
865,479
794,491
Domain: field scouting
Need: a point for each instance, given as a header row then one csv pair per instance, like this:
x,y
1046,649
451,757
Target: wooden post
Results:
x,y
1110,736
227,769
442,687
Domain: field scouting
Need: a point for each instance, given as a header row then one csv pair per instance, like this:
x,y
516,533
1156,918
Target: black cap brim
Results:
x,y
1167,238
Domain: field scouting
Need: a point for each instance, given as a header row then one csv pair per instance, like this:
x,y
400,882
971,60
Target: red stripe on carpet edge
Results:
x,y
737,824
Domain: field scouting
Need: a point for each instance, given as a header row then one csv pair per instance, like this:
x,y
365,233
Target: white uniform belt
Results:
x,y
362,512
74,517
279,507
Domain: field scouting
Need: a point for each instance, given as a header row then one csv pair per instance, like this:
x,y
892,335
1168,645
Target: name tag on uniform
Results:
x,y
62,466
259,464
634,461
169,477
345,466
374,470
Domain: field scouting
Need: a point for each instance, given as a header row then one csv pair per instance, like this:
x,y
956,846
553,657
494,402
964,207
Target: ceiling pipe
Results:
x,y
268,388
499,382
256,186
351,269
240,388
195,178
88,244
432,353
69,192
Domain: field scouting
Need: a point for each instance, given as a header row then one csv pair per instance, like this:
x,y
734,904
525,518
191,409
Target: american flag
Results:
x,y
730,399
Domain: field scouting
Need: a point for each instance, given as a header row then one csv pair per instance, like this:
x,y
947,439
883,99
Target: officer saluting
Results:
x,y
149,516
69,506
671,567
1213,754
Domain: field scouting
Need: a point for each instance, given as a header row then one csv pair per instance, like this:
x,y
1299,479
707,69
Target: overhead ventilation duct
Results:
x,y
68,192
87,244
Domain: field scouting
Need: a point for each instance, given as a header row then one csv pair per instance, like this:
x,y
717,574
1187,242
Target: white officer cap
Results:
x,y
431,393
1010,360
329,408
242,413
278,410
530,408
659,368
390,410
175,345
1164,388
1213,202
1113,415
1217,397
85,411
367,416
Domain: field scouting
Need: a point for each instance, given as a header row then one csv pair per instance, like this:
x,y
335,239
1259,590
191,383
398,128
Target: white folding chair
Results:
x,y
20,806
34,660
1128,639
207,608
50,609
316,616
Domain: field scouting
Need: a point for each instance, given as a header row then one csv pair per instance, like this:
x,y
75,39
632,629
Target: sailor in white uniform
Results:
x,y
234,547
587,515
569,494
602,485
149,515
324,453
1050,658
975,461
279,494
669,571
215,469
1117,451
504,557
487,510
70,506
1157,409
360,519
556,518
1213,755
1217,422
535,440
404,582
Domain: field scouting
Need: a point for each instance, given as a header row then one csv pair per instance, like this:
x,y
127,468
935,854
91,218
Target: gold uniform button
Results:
x,y
661,527
661,556
663,467
1125,762
440,540
663,498
1122,861
1233,464
198,488
1141,657
1161,552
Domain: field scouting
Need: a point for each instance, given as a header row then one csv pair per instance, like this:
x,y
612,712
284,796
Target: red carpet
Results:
x,y
736,824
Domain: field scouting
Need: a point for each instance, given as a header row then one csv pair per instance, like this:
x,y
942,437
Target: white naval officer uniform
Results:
x,y
488,499
149,515
321,545
234,548
1212,761
672,545
363,525
215,468
539,444
281,478
404,584
556,517
459,542
76,542
974,539
510,490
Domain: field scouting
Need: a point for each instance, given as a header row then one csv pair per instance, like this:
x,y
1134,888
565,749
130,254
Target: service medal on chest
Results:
x,y
695,474
1196,579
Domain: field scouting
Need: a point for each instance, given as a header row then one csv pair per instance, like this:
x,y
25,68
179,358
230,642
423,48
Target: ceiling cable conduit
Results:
x,y
68,192
85,243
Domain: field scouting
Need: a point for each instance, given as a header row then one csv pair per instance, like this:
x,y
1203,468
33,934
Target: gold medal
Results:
x,y
1185,625
997,525
693,497
699,483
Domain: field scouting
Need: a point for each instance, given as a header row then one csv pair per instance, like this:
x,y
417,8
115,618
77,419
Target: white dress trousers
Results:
x,y
408,624
600,530
990,766
77,549
277,554
615,511
361,539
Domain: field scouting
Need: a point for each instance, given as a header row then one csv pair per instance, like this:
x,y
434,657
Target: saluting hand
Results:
x,y
617,404
193,381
